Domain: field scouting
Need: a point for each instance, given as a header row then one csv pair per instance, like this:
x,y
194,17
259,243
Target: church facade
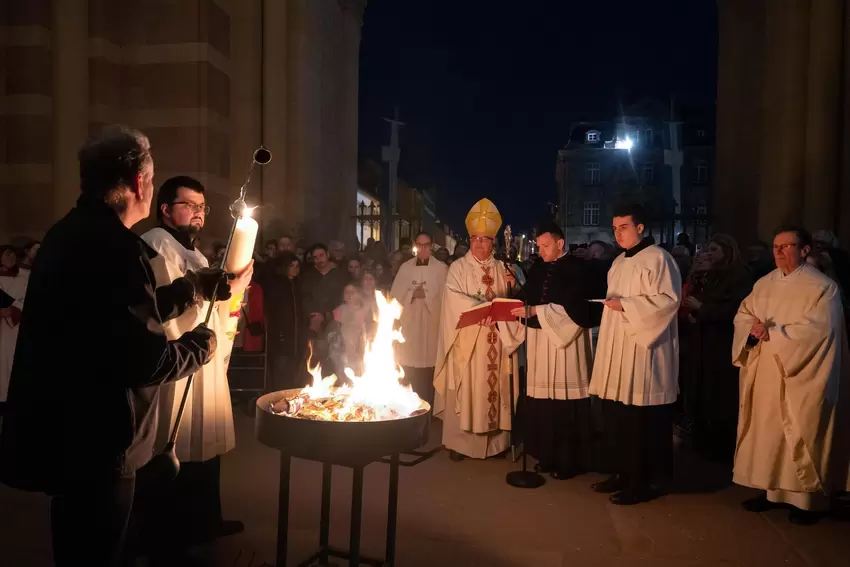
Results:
x,y
208,81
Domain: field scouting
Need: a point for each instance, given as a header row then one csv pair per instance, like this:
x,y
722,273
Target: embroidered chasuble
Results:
x,y
474,365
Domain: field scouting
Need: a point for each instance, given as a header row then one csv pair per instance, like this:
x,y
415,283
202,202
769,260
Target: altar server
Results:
x,y
560,355
419,287
475,364
793,423
206,431
636,369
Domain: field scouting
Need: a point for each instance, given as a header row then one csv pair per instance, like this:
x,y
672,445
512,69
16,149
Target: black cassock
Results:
x,y
559,432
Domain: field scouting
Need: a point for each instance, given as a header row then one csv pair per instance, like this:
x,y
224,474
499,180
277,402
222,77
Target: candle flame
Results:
x,y
248,212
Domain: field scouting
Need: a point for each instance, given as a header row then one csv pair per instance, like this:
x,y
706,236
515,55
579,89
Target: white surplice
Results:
x,y
560,356
207,427
475,365
793,426
16,288
637,354
420,318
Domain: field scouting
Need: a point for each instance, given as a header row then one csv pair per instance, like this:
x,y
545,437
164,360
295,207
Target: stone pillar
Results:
x,y
278,200
70,98
823,113
26,174
782,149
175,87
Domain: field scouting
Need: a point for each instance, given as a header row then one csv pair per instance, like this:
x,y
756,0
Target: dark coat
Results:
x,y
286,318
710,378
90,355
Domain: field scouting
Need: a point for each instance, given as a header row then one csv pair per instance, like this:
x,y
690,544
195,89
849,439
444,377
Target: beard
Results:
x,y
190,228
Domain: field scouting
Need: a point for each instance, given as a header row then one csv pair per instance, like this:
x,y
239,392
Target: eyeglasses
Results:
x,y
781,247
194,207
480,239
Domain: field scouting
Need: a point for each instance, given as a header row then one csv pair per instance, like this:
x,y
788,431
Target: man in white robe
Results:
x,y
419,286
206,431
636,369
791,347
475,364
559,429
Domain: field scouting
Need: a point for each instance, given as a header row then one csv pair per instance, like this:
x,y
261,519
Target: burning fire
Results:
x,y
378,394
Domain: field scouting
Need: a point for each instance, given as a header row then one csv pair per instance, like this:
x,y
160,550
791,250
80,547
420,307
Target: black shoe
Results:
x,y
804,517
631,496
613,483
759,504
565,474
455,456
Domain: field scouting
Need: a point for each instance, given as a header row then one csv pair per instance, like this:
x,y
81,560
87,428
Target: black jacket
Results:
x,y
568,282
90,354
283,305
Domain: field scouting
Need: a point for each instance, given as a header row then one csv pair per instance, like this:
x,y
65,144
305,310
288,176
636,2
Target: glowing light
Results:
x,y
626,144
379,387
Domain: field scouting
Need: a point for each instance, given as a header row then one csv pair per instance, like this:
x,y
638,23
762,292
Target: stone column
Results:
x,y
823,113
783,131
278,201
70,98
26,175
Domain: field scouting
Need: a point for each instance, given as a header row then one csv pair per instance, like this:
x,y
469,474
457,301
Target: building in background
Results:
x,y
659,155
208,81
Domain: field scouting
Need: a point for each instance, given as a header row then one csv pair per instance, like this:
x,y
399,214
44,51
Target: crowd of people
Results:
x,y
747,356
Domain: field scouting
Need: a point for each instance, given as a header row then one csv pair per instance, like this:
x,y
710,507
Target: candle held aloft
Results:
x,y
242,245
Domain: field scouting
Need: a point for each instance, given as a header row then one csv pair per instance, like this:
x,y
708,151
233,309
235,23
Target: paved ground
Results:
x,y
464,514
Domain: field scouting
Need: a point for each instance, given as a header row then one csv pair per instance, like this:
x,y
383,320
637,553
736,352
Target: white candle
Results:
x,y
242,245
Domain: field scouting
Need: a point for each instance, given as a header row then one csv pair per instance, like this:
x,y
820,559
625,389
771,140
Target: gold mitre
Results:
x,y
484,218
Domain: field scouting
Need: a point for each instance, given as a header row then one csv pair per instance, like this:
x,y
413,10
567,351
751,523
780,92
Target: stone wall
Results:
x,y
208,81
783,134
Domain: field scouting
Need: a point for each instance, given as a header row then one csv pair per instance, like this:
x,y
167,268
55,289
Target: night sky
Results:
x,y
489,89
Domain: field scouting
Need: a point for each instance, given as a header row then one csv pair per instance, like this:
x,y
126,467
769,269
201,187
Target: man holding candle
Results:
x,y
206,431
91,355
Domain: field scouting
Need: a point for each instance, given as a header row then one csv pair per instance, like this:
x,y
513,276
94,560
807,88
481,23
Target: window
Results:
x,y
701,211
648,174
592,136
593,174
702,172
591,214
647,139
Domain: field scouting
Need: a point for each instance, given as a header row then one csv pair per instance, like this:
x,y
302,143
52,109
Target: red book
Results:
x,y
497,310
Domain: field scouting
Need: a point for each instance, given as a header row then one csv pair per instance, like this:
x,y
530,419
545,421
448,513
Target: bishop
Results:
x,y
475,365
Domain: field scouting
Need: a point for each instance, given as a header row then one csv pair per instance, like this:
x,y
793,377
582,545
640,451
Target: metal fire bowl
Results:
x,y
337,442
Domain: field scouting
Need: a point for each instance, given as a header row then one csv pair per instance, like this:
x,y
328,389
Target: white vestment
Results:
x,y
207,427
474,365
792,425
16,288
560,356
420,318
637,355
